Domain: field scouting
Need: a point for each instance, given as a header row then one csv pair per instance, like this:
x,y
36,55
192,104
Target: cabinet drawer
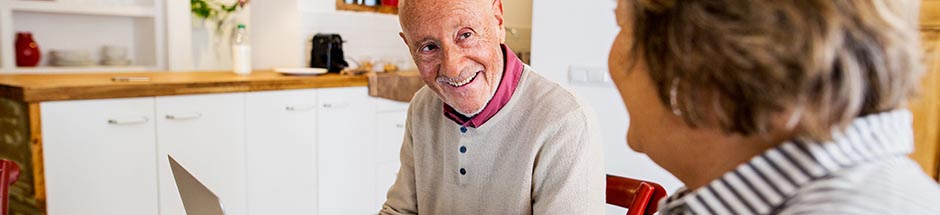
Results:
x,y
100,156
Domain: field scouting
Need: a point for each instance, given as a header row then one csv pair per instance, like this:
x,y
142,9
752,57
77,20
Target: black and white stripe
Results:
x,y
805,176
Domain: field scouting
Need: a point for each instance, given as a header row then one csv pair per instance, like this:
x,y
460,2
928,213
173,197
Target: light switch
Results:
x,y
577,75
597,76
588,76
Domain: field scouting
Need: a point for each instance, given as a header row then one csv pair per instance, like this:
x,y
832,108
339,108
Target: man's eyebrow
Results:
x,y
425,39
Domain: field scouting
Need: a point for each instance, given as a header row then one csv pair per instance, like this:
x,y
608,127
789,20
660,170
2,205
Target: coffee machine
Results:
x,y
327,52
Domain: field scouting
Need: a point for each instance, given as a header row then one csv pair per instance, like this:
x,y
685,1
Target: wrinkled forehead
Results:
x,y
428,13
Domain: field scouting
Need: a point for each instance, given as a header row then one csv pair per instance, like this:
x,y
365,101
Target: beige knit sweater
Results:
x,y
539,155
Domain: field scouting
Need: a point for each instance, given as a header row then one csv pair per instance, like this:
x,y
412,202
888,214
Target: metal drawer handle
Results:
x,y
335,105
399,125
300,107
183,116
128,120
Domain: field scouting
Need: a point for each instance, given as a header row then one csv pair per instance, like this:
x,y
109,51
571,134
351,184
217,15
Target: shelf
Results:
x,y
84,69
82,9
342,5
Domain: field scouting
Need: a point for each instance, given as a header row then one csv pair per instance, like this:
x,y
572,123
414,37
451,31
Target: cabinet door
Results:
x,y
100,156
281,152
385,176
390,129
206,134
926,106
345,161
386,105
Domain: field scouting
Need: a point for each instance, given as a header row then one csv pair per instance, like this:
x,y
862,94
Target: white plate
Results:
x,y
300,71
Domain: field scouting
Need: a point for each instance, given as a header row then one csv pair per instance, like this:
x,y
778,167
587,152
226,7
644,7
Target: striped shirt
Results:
x,y
863,170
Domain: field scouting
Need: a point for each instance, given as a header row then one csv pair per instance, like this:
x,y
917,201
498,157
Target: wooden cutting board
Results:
x,y
398,86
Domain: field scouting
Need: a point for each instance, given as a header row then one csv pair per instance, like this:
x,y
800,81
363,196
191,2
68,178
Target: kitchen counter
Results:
x,y
31,88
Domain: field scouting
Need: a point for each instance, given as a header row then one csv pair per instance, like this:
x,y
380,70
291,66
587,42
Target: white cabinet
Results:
x,y
281,151
346,134
385,176
312,151
100,156
390,130
206,134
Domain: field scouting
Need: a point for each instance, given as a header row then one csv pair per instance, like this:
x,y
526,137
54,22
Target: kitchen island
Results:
x,y
97,143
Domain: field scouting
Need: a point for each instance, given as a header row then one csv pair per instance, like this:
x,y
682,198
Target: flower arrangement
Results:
x,y
216,9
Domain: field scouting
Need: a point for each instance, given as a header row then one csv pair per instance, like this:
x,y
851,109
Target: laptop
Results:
x,y
197,198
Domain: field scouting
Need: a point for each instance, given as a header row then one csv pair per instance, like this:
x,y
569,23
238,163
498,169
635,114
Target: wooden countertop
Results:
x,y
54,87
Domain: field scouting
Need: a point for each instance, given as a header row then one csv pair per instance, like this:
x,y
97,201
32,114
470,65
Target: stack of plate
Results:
x,y
70,58
114,56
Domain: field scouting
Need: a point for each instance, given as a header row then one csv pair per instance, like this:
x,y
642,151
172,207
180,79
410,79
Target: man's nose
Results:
x,y
452,63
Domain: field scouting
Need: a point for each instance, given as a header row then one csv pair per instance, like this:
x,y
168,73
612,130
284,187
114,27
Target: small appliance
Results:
x,y
327,53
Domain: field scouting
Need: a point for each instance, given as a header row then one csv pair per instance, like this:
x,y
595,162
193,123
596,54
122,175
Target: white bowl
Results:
x,y
114,52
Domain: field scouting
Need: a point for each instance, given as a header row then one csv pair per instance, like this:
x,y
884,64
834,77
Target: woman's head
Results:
x,y
748,68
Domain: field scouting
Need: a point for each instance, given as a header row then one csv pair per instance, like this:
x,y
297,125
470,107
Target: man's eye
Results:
x,y
429,47
466,35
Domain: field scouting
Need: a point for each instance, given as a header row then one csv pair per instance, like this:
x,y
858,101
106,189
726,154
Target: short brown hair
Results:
x,y
741,62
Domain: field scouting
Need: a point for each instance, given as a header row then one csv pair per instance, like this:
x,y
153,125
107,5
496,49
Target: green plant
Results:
x,y
214,9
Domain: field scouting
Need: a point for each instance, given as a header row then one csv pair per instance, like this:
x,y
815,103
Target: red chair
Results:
x,y
638,197
9,172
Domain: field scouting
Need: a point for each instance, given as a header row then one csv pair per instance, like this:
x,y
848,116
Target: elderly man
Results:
x,y
488,135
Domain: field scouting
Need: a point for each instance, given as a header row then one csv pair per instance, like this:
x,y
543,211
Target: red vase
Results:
x,y
27,51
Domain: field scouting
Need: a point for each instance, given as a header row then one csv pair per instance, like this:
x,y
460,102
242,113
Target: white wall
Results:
x,y
288,25
579,33
275,36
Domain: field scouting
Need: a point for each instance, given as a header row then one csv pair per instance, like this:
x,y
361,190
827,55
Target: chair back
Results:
x,y
9,172
637,196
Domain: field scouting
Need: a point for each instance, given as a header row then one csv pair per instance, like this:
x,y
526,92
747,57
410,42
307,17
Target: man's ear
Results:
x,y
403,39
498,14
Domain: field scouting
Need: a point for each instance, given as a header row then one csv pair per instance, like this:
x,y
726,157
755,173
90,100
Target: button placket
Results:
x,y
463,167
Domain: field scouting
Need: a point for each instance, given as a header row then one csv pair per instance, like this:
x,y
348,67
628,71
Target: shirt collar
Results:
x,y
764,183
511,74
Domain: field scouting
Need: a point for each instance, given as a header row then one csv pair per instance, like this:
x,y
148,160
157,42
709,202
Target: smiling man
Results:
x,y
488,135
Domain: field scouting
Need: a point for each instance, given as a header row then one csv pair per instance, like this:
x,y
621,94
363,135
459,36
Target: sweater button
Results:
x,y
463,129
463,171
463,149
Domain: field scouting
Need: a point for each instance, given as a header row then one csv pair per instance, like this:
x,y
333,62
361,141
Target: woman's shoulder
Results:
x,y
894,185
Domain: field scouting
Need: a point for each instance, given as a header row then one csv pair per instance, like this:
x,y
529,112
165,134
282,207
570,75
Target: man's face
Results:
x,y
456,46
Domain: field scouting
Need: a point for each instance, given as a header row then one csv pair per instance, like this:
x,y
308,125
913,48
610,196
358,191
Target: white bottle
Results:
x,y
241,51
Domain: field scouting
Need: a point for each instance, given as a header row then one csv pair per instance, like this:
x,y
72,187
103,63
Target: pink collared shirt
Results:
x,y
511,74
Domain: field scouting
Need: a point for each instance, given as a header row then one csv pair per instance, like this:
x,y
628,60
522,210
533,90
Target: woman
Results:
x,y
775,107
